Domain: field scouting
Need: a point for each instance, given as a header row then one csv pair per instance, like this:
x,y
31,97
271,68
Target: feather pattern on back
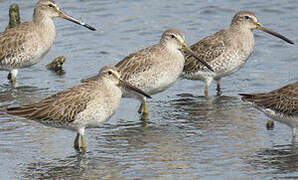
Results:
x,y
60,107
283,100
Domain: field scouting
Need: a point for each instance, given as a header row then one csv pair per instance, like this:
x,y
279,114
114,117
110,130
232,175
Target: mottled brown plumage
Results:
x,y
283,100
137,63
25,44
60,108
280,104
225,51
83,106
208,49
156,67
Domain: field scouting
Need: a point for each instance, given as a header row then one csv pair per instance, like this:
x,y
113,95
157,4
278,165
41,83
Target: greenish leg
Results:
x,y
207,84
83,146
270,124
76,142
145,108
206,91
14,80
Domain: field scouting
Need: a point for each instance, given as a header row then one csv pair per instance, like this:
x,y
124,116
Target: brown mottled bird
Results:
x,y
225,51
87,105
157,67
280,105
27,43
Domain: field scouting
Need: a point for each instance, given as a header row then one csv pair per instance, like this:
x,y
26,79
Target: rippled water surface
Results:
x,y
186,136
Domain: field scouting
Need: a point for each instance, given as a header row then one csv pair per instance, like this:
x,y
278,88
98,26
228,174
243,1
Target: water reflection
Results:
x,y
19,94
59,72
152,151
149,151
279,159
221,128
72,166
214,113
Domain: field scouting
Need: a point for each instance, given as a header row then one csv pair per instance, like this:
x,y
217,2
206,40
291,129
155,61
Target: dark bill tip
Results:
x,y
69,18
88,26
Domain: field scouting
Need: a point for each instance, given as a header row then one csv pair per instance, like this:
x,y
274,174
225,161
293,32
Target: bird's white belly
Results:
x,y
162,78
94,117
165,80
157,79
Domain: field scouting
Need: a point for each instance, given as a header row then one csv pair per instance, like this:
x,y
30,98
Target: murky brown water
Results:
x,y
186,136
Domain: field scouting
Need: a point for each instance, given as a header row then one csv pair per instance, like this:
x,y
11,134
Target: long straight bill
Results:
x,y
131,87
188,50
69,18
269,31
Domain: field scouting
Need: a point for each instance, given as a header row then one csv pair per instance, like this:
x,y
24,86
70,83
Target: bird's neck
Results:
x,y
42,20
237,26
170,47
45,28
110,87
243,37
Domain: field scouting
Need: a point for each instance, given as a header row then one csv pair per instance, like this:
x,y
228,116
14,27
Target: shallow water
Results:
x,y
186,136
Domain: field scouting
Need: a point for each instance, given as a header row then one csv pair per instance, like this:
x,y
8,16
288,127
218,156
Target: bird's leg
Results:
x,y
143,107
207,84
270,124
76,142
9,76
83,146
206,90
12,76
218,87
81,132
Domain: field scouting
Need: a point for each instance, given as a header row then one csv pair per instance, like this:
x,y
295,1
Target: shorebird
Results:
x,y
26,44
156,67
226,51
87,105
280,105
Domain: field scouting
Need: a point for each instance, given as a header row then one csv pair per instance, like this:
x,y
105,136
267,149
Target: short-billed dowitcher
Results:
x,y
83,106
280,105
157,67
26,44
226,51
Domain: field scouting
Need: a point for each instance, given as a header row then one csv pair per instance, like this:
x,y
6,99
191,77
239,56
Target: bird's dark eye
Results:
x,y
110,72
172,36
246,17
51,5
